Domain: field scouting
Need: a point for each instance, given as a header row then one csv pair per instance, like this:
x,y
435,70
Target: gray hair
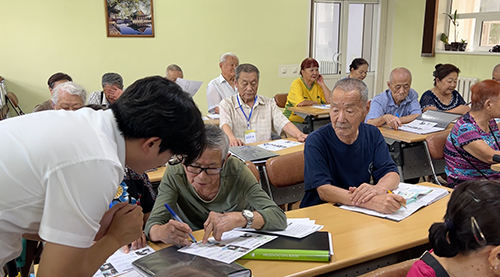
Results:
x,y
247,68
173,67
224,56
216,139
71,88
393,72
350,84
111,79
496,68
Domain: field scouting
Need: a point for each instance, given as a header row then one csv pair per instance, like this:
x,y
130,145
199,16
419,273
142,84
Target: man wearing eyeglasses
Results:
x,y
217,192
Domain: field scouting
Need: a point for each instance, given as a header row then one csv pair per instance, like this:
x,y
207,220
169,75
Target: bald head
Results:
x,y
401,71
495,75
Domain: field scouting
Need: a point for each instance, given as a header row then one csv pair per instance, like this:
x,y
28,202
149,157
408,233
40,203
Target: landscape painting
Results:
x,y
129,18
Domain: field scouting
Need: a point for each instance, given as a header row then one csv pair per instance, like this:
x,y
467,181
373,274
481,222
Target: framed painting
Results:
x,y
129,18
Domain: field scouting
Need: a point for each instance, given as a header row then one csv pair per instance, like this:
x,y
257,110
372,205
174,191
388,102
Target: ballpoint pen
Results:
x,y
402,204
176,217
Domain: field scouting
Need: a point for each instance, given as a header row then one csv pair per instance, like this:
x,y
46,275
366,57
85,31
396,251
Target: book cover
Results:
x,y
315,247
169,257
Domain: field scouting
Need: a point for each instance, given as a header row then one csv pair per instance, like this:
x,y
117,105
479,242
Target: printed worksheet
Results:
x,y
296,228
189,86
421,127
279,144
232,246
322,106
120,262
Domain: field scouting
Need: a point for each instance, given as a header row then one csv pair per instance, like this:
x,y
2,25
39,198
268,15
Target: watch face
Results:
x,y
248,213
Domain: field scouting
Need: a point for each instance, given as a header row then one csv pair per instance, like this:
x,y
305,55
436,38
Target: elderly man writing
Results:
x,y
54,80
68,96
340,159
217,192
248,117
396,106
222,86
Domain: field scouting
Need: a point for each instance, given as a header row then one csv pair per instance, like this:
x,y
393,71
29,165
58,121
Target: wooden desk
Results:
x,y
155,176
356,237
408,152
311,114
211,121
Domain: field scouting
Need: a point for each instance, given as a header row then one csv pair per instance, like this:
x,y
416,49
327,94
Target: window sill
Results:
x,y
468,52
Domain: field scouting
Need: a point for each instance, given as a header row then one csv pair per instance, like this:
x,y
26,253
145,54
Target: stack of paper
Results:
x,y
423,198
279,144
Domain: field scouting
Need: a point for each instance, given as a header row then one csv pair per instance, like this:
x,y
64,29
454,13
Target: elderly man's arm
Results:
x,y
293,131
383,203
226,121
213,97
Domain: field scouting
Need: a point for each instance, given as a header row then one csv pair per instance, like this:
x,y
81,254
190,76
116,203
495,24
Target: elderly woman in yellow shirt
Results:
x,y
307,90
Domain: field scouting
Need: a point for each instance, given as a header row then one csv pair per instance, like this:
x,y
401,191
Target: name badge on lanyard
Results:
x,y
250,136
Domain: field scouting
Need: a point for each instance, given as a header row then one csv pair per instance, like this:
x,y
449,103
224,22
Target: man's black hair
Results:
x,y
157,107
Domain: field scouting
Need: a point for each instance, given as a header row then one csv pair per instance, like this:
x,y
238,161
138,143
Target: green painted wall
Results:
x,y
40,38
407,43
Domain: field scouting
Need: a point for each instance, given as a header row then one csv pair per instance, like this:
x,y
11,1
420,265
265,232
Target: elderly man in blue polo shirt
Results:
x,y
397,105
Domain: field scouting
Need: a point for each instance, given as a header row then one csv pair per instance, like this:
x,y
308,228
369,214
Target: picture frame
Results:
x,y
129,18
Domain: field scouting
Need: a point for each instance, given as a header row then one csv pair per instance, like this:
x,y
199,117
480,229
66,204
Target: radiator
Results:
x,y
327,67
463,87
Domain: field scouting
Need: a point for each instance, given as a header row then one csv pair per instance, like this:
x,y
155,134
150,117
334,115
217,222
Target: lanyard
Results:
x,y
251,110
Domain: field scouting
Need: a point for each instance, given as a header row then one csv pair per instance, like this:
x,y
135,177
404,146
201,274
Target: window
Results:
x,y
478,23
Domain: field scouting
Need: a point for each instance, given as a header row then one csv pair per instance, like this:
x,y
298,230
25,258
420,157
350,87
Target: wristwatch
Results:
x,y
248,215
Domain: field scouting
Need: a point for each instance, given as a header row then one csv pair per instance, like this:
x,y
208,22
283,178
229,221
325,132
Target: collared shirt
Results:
x,y
98,98
217,90
266,117
383,104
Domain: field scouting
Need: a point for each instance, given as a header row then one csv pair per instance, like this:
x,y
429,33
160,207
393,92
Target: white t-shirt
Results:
x,y
217,90
59,170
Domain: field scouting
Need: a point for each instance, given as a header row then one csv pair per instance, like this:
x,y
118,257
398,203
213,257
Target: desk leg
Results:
x,y
264,181
310,124
396,152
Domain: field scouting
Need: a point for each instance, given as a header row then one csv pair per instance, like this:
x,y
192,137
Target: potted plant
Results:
x,y
444,39
455,46
462,45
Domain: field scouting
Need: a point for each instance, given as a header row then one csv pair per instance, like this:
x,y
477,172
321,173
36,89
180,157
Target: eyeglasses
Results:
x,y
208,170
176,159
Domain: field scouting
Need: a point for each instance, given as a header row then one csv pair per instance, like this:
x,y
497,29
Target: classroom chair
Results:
x,y
254,169
280,99
286,176
396,270
12,99
434,148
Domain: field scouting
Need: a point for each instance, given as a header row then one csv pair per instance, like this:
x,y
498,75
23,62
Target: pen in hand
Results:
x,y
402,204
176,217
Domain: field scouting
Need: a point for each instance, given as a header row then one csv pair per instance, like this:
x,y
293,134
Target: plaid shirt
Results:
x,y
266,117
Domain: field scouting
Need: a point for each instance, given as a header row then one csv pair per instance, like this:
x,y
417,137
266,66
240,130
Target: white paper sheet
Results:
x,y
420,127
189,86
297,228
233,245
214,115
279,144
324,107
120,262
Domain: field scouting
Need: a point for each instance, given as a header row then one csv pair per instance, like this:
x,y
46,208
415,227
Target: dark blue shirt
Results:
x,y
330,161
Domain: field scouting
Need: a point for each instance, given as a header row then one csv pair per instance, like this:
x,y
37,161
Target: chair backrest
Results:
x,y
280,99
396,270
254,170
286,170
436,143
